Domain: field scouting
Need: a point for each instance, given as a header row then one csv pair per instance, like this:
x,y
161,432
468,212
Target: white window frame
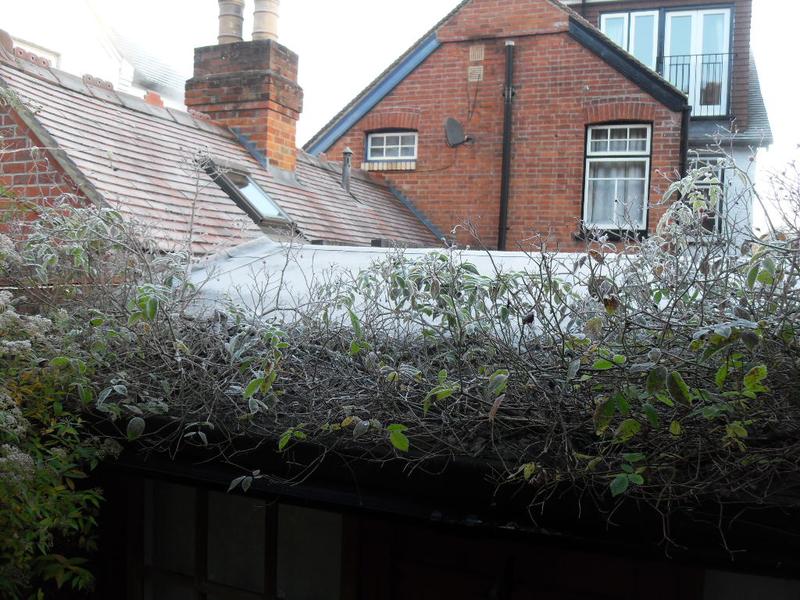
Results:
x,y
384,134
718,164
593,157
632,36
626,16
696,44
630,18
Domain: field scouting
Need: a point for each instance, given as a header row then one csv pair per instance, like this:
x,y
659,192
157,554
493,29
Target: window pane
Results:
x,y
599,146
616,193
392,140
615,28
600,202
393,152
600,133
376,140
309,554
255,196
638,146
236,534
407,152
643,43
713,33
619,140
173,528
376,153
630,204
409,140
680,40
638,133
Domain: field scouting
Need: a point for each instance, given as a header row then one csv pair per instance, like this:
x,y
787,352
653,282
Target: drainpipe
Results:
x,y
231,21
686,115
505,183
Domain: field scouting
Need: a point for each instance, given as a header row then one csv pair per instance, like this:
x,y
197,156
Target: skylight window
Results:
x,y
255,196
246,193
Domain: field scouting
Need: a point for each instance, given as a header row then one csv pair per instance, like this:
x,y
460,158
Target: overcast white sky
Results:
x,y
344,44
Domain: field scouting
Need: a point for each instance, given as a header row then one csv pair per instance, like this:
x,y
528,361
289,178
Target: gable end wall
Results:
x,y
561,88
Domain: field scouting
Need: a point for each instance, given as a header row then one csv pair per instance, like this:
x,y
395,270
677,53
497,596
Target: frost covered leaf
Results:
x,y
135,428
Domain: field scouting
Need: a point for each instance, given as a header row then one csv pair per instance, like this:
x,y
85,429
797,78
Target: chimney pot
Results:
x,y
231,21
265,20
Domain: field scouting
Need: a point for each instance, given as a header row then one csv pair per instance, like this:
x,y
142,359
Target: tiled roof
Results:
x,y
139,158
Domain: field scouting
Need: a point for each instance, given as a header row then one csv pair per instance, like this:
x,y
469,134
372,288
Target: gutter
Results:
x,y
505,181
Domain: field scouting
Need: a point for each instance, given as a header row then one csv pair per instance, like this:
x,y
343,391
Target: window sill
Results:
x,y
612,235
389,165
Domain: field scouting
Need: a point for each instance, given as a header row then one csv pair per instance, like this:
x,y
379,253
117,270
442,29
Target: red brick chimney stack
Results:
x,y
252,87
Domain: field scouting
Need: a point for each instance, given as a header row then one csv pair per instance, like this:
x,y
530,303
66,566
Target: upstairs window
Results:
x,y
636,32
392,146
617,177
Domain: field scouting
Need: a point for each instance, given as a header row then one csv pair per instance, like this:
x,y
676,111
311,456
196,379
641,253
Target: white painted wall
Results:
x,y
73,31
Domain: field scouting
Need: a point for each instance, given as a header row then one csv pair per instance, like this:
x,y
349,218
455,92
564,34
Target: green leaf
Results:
x,y
286,436
601,364
656,380
721,376
355,323
627,429
528,470
619,359
498,382
396,427
634,457
636,478
253,387
60,362
752,275
135,428
399,440
619,484
151,308
675,428
236,482
651,414
755,376
678,389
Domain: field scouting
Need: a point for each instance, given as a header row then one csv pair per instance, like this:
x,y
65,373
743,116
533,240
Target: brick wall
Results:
x,y
251,86
742,15
27,170
561,88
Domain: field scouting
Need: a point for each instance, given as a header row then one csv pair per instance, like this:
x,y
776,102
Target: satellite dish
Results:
x,y
454,131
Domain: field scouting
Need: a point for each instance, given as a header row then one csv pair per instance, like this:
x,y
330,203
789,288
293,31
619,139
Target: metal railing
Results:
x,y
705,78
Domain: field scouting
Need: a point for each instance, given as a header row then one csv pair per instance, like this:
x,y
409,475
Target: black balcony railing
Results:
x,y
705,78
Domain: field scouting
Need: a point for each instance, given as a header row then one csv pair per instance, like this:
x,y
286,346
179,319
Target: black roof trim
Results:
x,y
645,78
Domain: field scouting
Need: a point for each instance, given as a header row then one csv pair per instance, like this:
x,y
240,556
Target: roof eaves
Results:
x,y
648,80
373,94
51,145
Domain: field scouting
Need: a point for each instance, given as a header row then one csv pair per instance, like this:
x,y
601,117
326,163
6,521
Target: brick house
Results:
x,y
591,137
219,177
